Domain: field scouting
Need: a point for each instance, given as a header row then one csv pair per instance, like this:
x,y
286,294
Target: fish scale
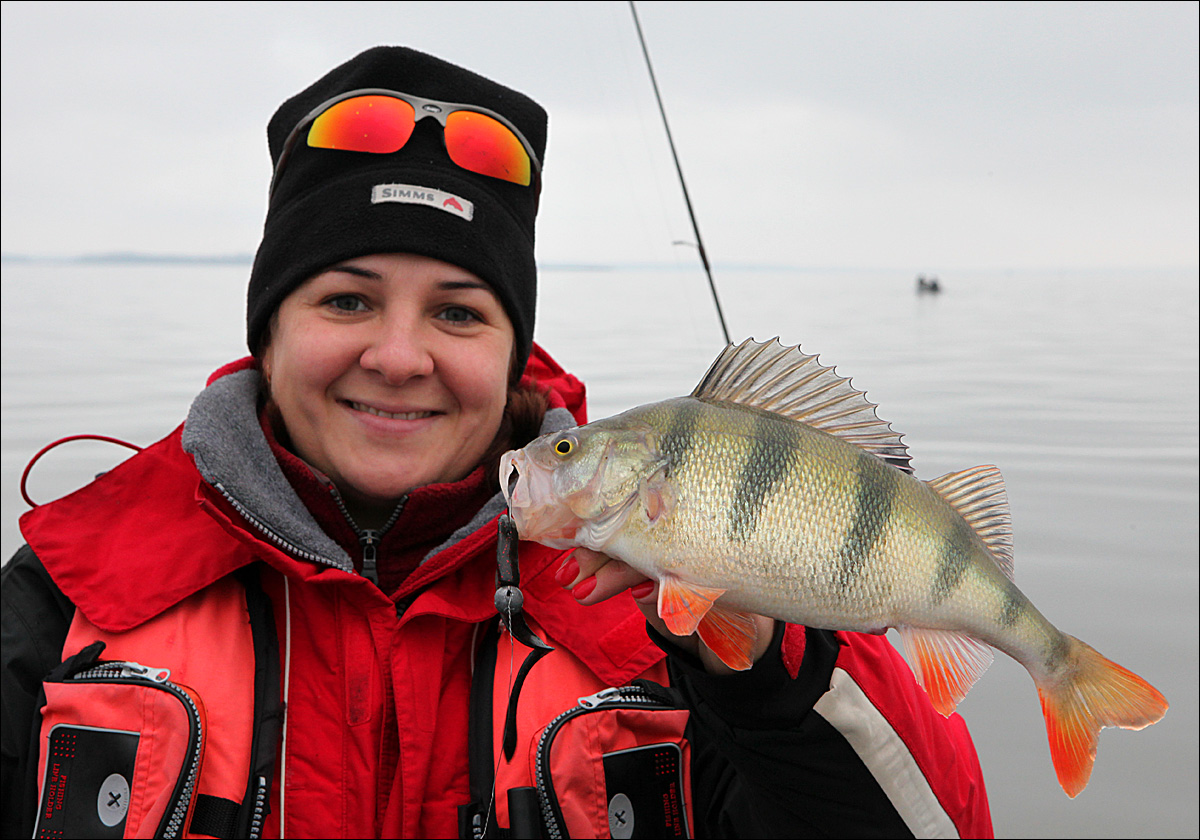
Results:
x,y
775,489
787,473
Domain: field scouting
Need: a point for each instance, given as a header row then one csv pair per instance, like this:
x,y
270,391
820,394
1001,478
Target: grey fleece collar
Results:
x,y
223,436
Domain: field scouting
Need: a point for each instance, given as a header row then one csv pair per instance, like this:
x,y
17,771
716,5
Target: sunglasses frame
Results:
x,y
422,108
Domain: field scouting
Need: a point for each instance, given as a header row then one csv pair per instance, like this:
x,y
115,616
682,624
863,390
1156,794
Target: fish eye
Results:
x,y
565,446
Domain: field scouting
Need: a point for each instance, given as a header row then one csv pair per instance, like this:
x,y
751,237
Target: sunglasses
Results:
x,y
381,121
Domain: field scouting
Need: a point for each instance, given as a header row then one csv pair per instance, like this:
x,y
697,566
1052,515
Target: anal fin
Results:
x,y
946,663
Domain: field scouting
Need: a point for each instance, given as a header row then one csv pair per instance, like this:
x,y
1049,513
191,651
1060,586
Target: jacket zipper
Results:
x,y
132,673
369,538
627,696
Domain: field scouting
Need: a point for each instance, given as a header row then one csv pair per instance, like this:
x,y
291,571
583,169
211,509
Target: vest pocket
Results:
x,y
120,750
616,765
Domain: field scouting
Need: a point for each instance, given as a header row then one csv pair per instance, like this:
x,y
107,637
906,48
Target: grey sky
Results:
x,y
916,136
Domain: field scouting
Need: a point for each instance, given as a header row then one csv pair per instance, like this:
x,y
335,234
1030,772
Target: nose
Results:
x,y
397,351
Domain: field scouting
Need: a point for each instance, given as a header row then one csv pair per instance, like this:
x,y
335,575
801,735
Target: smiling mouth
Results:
x,y
388,415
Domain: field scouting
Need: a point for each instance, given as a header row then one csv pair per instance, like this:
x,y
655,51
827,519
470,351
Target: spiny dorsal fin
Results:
x,y
784,381
979,496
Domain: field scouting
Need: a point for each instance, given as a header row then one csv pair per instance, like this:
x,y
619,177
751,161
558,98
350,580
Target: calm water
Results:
x,y
1081,387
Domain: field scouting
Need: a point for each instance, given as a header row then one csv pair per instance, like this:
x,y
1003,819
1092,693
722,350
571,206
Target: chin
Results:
x,y
387,494
374,489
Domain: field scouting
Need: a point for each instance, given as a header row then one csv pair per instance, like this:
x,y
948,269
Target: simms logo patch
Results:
x,y
412,194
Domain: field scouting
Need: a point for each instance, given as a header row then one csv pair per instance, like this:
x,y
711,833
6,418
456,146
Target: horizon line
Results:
x,y
135,257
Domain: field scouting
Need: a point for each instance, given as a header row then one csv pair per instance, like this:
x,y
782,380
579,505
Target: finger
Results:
x,y
611,578
579,565
589,562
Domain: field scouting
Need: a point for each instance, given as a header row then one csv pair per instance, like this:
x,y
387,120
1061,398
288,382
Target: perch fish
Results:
x,y
774,488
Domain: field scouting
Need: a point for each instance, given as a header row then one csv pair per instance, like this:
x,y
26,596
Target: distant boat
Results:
x,y
929,285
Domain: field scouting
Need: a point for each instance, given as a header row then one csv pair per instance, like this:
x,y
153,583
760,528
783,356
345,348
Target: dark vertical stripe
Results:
x,y
1014,605
773,451
677,441
877,486
1060,650
956,559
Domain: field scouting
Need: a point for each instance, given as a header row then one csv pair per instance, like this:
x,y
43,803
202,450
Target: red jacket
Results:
x,y
377,687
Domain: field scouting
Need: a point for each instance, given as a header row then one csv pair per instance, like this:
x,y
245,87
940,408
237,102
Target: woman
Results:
x,y
312,557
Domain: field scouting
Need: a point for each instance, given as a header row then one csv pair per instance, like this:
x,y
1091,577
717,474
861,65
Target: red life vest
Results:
x,y
601,758
186,715
189,773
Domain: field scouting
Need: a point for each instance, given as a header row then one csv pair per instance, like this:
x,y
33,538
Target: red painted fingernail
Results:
x,y
584,588
642,589
568,571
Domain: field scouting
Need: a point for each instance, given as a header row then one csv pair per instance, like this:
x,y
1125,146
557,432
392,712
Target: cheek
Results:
x,y
481,385
301,360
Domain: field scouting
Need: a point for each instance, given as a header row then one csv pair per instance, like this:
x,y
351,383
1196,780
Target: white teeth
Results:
x,y
403,415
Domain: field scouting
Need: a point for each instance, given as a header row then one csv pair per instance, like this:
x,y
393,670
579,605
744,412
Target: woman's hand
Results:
x,y
593,577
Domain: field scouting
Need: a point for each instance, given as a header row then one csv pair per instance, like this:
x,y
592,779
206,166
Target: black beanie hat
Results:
x,y
331,205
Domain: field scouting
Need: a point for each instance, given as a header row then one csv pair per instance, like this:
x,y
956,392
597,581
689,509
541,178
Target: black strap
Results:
x,y
268,706
481,759
214,816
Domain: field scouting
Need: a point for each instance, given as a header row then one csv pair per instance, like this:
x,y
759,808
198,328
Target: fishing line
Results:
x,y
626,95
679,169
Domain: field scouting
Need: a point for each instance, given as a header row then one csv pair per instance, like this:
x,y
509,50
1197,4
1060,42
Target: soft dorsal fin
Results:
x,y
784,381
979,496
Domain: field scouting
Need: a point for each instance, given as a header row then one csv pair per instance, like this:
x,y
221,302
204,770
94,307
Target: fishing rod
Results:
x,y
678,168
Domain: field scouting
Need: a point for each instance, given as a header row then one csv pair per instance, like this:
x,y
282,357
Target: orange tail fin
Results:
x,y
1095,693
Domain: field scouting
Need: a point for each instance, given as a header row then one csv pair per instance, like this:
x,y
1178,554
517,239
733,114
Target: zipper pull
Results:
x,y
133,669
369,540
125,670
600,697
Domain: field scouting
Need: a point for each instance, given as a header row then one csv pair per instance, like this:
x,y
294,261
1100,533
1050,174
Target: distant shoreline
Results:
x,y
137,258
127,258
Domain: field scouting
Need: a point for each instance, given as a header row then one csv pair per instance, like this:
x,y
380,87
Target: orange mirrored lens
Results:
x,y
380,124
481,144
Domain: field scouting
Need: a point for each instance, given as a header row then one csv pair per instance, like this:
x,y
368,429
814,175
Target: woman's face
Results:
x,y
390,372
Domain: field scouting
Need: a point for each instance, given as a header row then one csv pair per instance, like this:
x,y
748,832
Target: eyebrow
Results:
x,y
356,271
452,285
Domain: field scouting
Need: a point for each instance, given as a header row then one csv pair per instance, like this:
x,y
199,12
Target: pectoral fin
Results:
x,y
683,605
657,495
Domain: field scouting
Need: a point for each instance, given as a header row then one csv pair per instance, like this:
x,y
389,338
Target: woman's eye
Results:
x,y
346,303
458,314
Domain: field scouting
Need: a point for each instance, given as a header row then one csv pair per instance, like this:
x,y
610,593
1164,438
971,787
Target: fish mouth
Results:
x,y
536,508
